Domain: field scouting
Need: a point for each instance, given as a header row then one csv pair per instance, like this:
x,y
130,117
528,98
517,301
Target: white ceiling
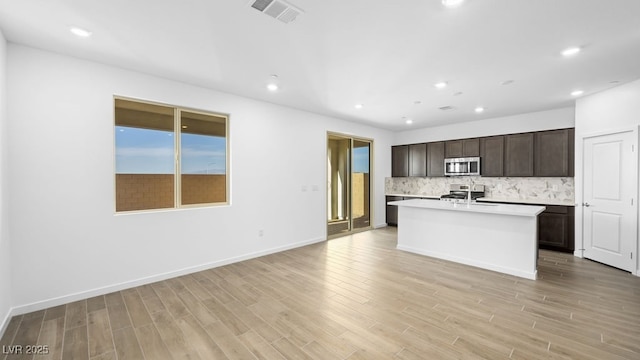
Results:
x,y
383,54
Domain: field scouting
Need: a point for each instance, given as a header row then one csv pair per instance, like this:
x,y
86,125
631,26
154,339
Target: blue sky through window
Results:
x,y
145,151
361,159
202,154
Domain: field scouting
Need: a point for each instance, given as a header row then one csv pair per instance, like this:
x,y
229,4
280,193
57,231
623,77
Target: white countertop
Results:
x,y
499,209
529,201
434,197
499,199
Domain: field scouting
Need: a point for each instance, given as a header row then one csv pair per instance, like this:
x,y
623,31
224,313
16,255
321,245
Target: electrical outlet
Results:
x,y
260,233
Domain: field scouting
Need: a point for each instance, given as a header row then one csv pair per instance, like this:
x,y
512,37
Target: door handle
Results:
x,y
586,204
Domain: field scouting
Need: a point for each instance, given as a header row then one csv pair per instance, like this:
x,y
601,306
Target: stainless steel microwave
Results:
x,y
462,166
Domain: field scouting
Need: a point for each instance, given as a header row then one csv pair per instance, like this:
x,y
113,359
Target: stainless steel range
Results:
x,y
463,193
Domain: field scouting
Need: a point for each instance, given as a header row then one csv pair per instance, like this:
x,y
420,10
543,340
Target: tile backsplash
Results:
x,y
542,189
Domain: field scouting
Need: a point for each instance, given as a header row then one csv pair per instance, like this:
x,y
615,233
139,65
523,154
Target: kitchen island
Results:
x,y
498,237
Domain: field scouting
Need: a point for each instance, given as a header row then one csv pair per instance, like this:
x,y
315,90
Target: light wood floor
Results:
x,y
355,297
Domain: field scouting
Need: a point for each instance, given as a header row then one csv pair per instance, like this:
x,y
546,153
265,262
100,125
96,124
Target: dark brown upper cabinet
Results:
x,y
471,147
400,161
492,156
518,159
418,160
543,153
435,158
462,148
554,153
453,149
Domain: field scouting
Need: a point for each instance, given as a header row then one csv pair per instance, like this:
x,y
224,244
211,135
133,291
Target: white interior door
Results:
x,y
610,192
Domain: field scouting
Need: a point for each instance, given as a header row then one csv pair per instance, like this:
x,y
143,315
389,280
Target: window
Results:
x,y
169,157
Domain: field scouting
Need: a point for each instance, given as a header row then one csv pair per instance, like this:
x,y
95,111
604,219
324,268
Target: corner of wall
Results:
x,y
5,248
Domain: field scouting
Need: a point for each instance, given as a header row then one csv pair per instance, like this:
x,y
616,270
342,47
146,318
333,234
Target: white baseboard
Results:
x,y
5,322
379,226
44,304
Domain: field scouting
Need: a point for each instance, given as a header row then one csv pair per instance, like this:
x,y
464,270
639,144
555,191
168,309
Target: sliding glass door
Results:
x,y
361,185
348,184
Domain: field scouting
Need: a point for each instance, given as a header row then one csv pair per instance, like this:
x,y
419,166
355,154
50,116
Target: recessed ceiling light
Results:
x,y
408,121
577,93
570,51
80,32
358,106
479,109
272,87
452,3
440,85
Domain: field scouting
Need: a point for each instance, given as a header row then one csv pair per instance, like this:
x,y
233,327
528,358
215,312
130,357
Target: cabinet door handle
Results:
x,y
586,204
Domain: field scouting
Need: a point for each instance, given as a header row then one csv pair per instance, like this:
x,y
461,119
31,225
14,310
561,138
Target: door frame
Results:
x,y
371,184
579,213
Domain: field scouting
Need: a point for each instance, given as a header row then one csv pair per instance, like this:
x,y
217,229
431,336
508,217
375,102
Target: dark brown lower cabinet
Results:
x,y
392,211
556,228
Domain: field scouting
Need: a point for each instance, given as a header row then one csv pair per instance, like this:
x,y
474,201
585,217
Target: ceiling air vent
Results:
x,y
446,108
277,9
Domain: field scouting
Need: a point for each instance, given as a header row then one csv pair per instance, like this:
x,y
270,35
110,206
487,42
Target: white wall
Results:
x,y
536,121
5,249
66,241
607,111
